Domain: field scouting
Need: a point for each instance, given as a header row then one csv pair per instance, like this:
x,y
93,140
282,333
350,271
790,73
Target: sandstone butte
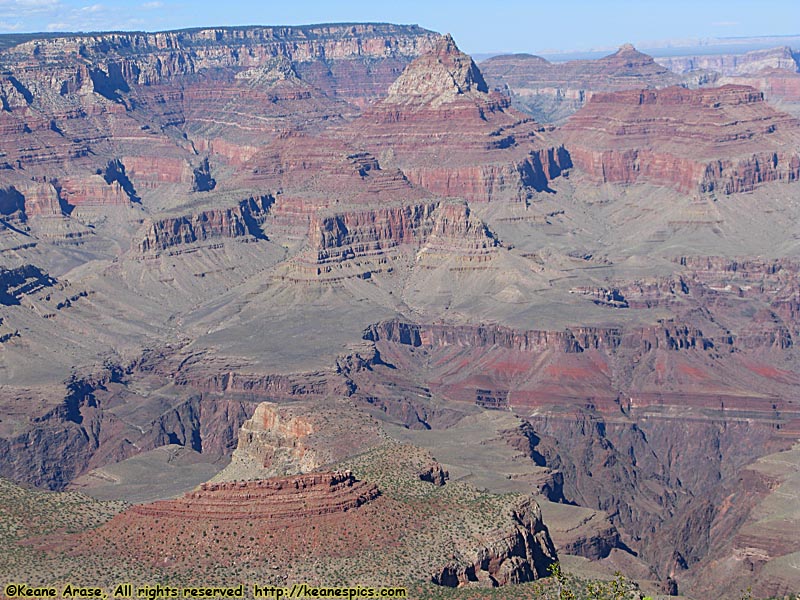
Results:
x,y
449,134
321,510
723,140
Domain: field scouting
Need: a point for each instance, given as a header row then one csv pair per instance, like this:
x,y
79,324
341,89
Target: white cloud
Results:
x,y
27,9
90,15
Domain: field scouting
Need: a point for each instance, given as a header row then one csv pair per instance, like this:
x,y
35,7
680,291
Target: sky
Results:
x,y
478,27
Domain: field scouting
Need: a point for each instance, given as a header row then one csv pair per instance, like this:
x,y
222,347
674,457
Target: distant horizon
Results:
x,y
516,26
710,46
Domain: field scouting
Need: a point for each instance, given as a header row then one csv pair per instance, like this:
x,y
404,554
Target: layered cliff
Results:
x,y
298,438
74,106
298,496
123,60
361,242
242,220
725,140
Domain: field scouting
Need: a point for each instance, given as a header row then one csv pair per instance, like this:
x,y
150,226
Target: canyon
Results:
x,y
450,323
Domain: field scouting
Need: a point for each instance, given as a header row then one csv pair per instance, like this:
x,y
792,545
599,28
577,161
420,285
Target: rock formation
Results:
x,y
443,128
338,247
523,554
298,438
729,139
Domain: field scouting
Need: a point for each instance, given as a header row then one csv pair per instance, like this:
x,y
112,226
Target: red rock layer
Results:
x,y
279,499
721,139
577,366
93,191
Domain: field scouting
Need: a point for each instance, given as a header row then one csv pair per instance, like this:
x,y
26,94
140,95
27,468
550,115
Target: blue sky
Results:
x,y
508,25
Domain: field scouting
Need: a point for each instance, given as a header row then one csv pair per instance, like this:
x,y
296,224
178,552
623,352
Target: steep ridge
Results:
x,y
553,91
447,133
724,140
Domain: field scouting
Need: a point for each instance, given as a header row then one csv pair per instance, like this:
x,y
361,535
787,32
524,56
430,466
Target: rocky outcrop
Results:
x,y
776,84
553,91
638,294
361,242
274,500
243,220
274,441
31,199
729,139
359,234
298,437
150,172
522,554
320,177
96,190
434,474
